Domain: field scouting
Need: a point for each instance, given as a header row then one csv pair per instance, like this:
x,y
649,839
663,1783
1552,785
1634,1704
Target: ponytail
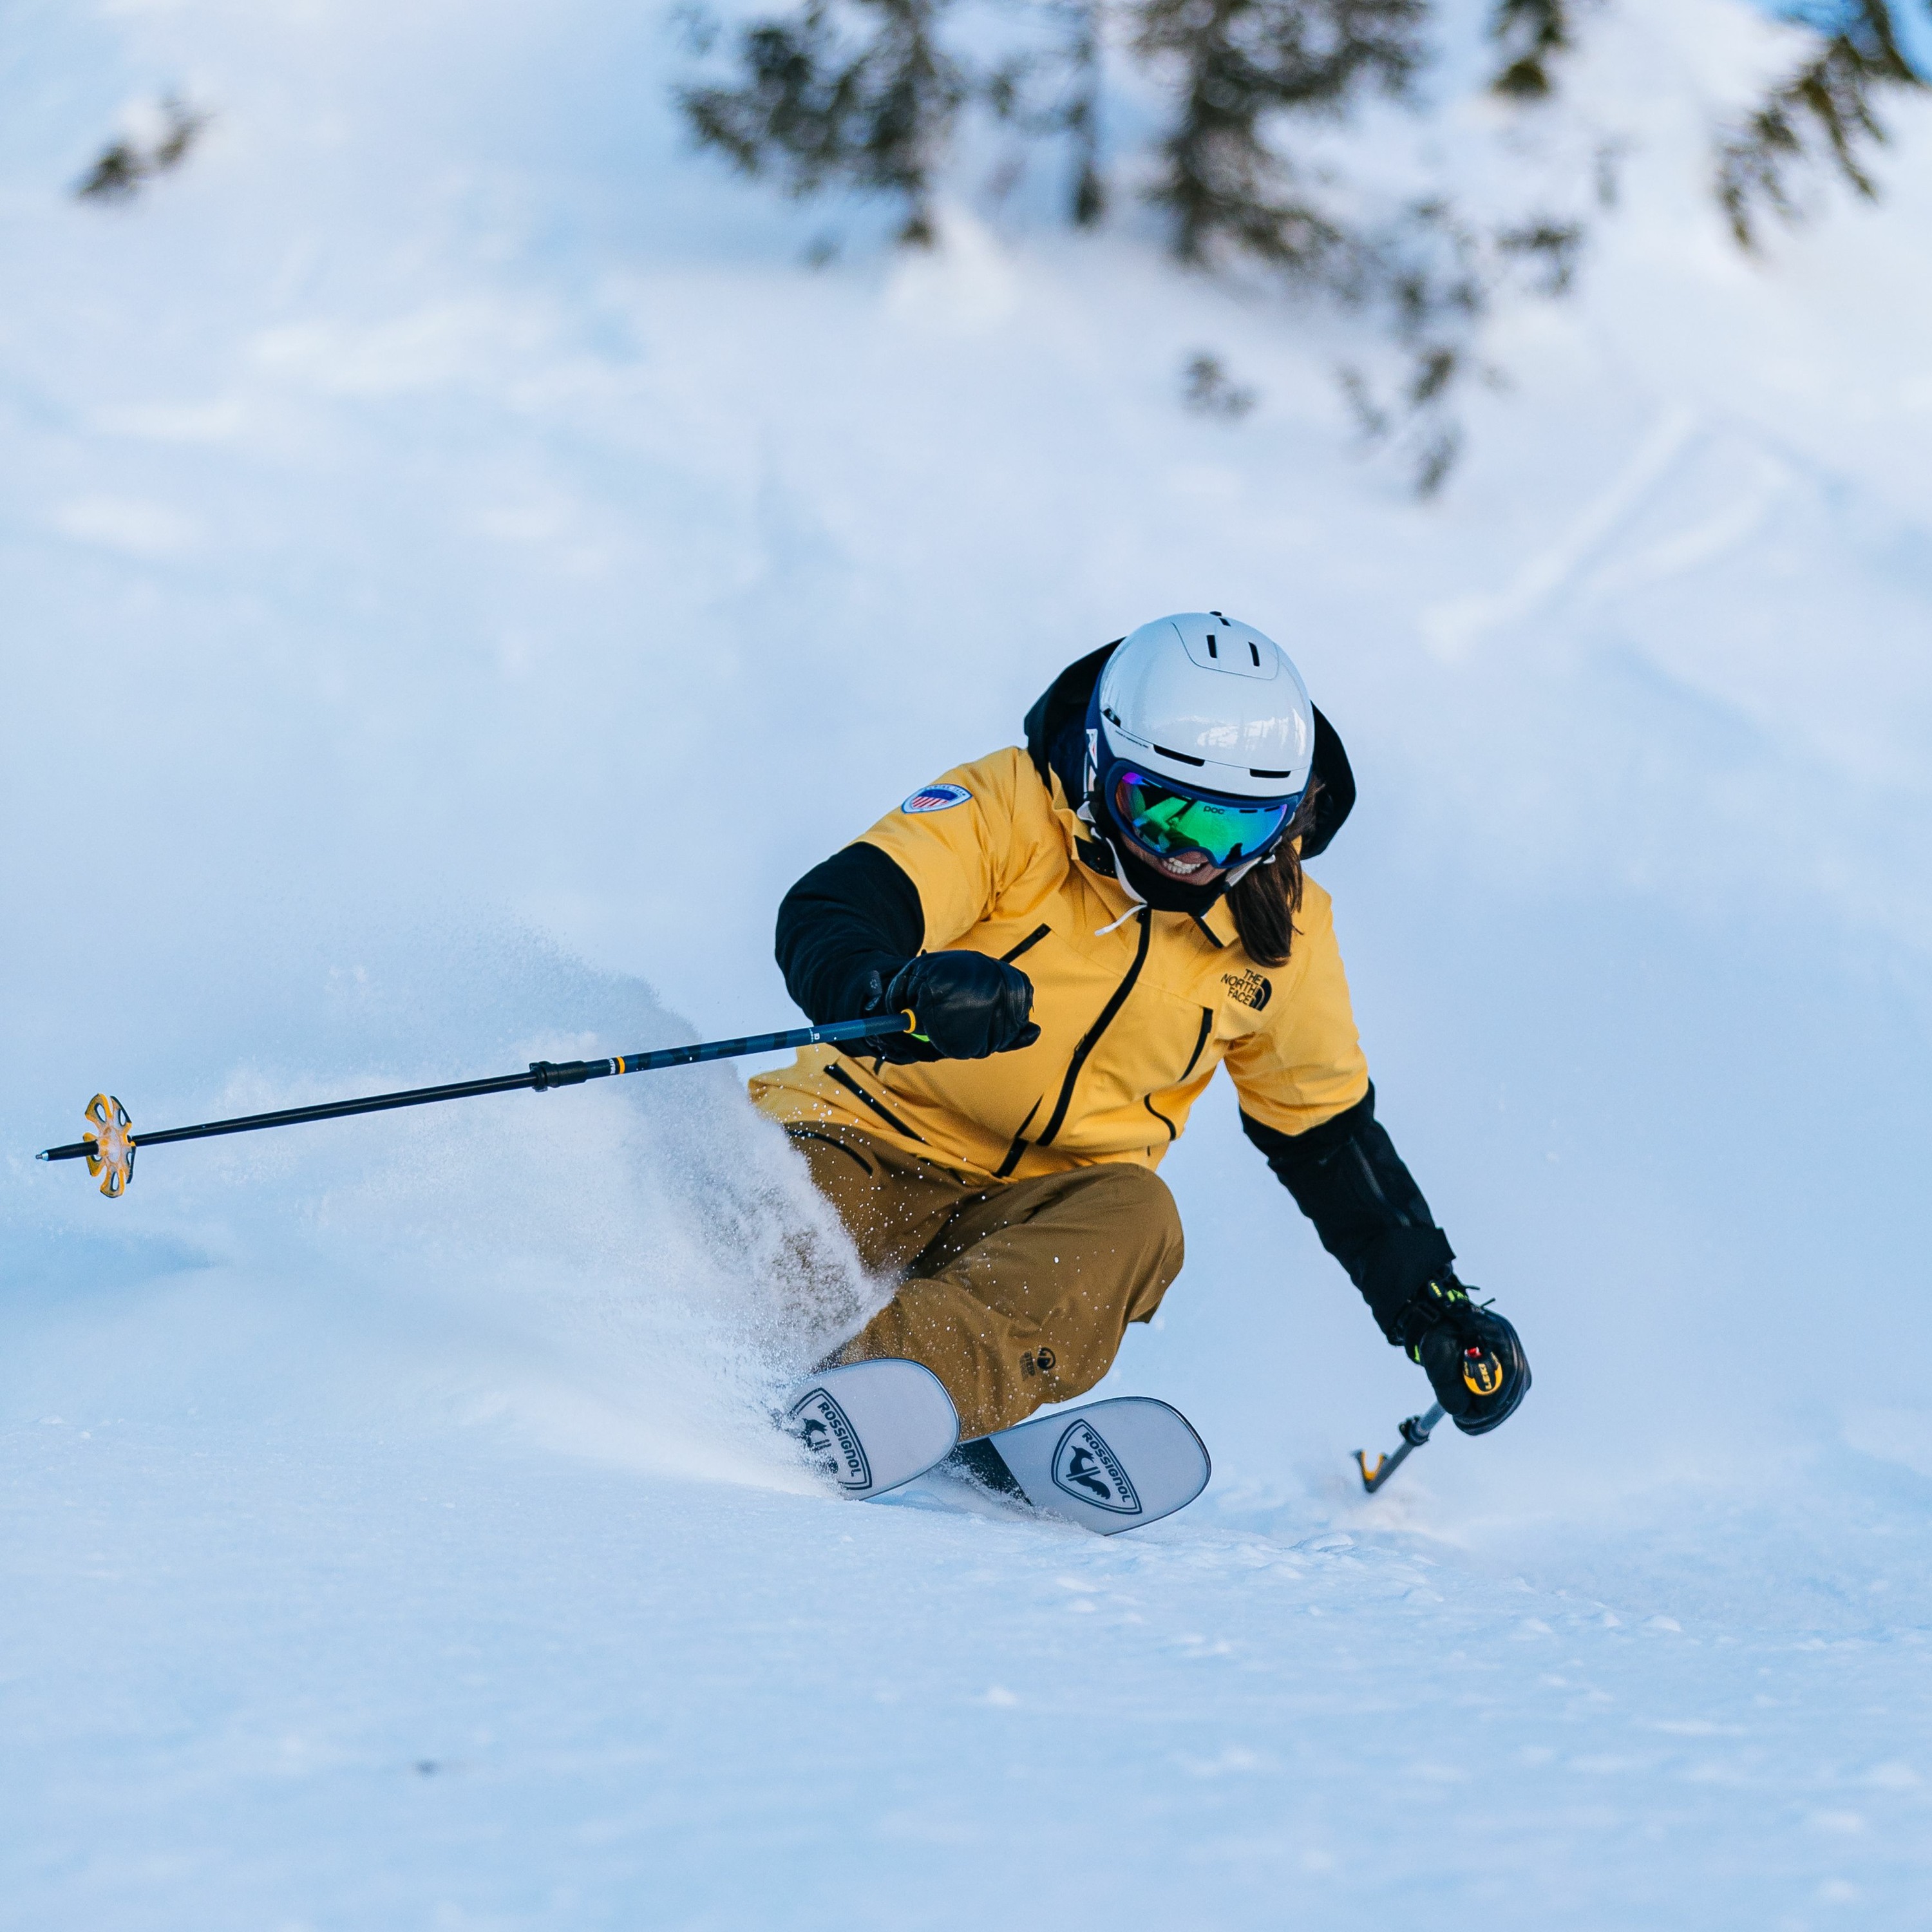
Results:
x,y
1265,901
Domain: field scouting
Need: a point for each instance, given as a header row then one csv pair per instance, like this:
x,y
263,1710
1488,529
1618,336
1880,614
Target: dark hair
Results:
x,y
1266,901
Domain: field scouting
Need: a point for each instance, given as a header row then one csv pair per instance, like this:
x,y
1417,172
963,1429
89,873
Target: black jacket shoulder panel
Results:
x,y
844,929
1063,706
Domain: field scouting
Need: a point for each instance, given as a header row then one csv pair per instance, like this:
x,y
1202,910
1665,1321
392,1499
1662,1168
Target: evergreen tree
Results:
x,y
1226,178
1833,96
124,165
1056,92
865,97
869,104
1531,34
863,94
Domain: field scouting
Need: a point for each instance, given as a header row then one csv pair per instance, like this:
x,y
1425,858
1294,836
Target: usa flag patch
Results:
x,y
937,798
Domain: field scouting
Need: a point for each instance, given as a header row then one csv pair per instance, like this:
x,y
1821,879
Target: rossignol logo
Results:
x,y
1250,987
936,798
1084,1466
820,1424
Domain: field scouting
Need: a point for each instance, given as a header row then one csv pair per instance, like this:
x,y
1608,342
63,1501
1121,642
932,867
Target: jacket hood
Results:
x,y
1055,732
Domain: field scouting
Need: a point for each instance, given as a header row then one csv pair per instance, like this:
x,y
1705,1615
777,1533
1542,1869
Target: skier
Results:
x,y
1085,929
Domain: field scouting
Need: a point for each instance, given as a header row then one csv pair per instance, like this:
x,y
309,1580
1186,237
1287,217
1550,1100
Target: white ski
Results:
x,y
1111,1466
871,1426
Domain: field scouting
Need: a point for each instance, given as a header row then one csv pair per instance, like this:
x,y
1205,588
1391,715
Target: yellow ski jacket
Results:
x,y
1136,1009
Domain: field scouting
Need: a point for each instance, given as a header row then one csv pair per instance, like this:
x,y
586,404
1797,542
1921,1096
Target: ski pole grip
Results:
x,y
558,1073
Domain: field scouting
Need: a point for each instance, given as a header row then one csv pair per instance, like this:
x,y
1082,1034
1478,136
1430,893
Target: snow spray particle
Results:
x,y
634,1268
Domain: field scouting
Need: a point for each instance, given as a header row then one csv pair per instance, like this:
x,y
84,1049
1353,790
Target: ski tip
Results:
x,y
874,1426
1155,1402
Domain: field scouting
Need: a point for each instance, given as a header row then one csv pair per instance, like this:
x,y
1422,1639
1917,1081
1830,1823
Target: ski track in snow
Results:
x,y
400,506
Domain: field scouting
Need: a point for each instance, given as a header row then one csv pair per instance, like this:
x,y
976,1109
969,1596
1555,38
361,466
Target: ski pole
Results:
x,y
109,1147
1414,1433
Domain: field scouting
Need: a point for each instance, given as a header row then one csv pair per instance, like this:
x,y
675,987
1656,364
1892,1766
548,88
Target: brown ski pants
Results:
x,y
1014,1293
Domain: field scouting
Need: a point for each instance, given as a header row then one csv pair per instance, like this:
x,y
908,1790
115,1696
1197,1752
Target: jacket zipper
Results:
x,y
1094,1033
1018,1148
1201,1040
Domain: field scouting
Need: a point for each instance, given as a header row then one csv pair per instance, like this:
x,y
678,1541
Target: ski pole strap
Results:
x,y
543,1075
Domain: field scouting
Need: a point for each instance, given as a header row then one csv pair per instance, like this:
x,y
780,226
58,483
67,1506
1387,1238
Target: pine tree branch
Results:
x,y
817,106
1055,91
1226,185
1531,34
122,167
1833,96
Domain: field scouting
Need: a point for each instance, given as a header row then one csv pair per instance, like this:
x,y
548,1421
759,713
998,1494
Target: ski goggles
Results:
x,y
1168,820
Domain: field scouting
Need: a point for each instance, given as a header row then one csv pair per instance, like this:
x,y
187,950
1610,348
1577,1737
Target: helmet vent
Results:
x,y
1225,691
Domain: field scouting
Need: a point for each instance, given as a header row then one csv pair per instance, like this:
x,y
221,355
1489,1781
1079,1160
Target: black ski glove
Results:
x,y
968,1006
1473,1357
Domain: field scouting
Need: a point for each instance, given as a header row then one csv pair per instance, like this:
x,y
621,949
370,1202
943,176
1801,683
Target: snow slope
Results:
x,y
459,567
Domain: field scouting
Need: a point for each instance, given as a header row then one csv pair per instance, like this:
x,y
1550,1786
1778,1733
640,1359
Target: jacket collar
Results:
x,y
1218,922
1096,859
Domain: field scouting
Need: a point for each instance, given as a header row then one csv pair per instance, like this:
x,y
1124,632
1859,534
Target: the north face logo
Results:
x,y
1084,1466
820,1424
1250,987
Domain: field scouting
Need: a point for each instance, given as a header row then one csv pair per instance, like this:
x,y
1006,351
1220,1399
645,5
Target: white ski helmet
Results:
x,y
1209,702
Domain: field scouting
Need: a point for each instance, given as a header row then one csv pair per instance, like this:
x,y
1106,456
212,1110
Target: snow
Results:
x,y
461,568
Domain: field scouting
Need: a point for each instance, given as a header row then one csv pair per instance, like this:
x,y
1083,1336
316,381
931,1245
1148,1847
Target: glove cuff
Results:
x,y
1394,1270
1441,1299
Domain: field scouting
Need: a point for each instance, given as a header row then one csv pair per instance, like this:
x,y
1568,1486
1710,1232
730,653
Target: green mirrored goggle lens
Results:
x,y
1168,822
